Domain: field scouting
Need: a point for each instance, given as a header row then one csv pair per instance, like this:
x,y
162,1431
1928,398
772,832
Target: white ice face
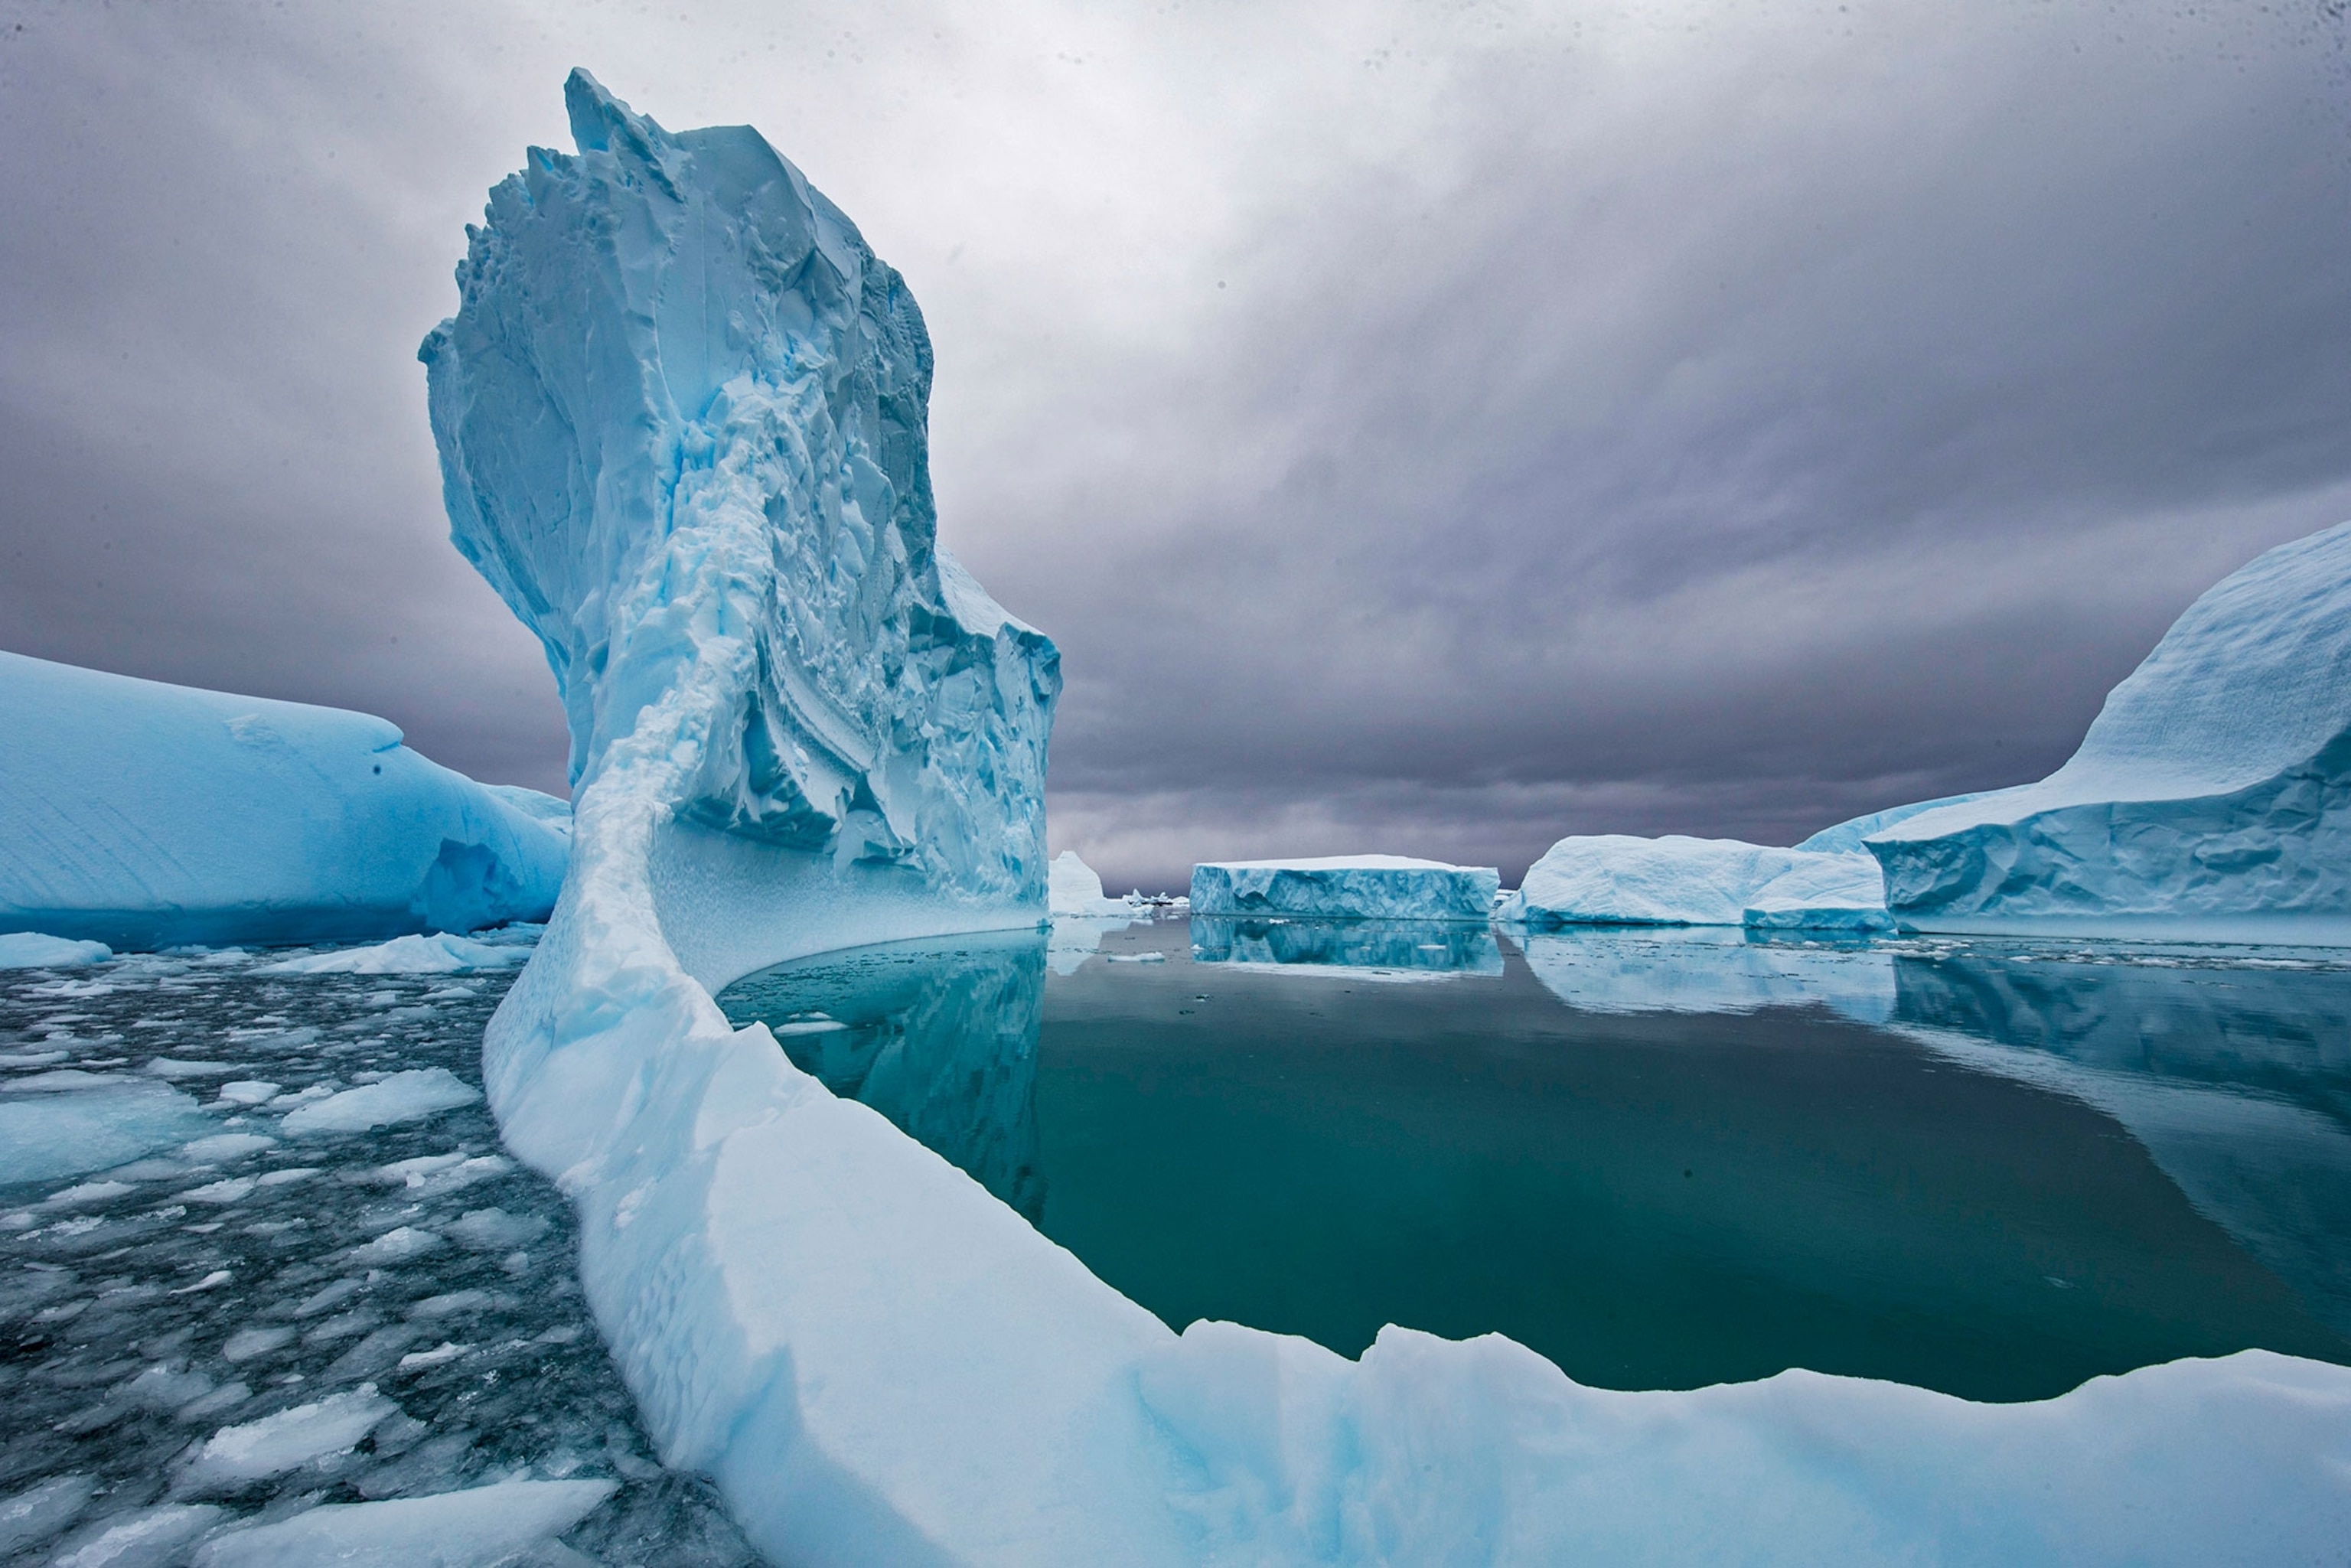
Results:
x,y
683,415
2212,794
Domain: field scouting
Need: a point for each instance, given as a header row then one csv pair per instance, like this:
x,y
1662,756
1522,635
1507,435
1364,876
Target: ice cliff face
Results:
x,y
681,414
2212,790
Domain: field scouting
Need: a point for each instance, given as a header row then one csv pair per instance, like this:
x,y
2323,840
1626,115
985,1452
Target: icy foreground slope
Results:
x,y
1617,879
1346,887
146,815
2213,789
680,413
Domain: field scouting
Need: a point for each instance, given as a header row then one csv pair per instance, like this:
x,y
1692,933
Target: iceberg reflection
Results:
x,y
1707,969
938,1035
1371,949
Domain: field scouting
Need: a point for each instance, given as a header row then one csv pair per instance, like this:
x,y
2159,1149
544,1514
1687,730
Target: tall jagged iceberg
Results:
x,y
2210,797
142,814
680,414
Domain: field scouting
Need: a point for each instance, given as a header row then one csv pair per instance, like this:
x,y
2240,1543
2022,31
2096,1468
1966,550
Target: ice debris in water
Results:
x,y
402,1097
256,821
2211,795
680,417
1346,887
191,1341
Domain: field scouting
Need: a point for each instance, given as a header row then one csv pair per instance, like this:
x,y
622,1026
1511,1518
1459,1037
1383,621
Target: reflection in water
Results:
x,y
1660,1157
2235,1073
1391,949
1706,970
939,1035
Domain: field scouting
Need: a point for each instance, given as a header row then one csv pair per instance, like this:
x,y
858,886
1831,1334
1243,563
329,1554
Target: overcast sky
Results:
x,y
1429,429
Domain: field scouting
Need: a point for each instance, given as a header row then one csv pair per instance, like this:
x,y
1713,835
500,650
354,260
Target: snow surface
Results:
x,y
680,415
33,950
2211,795
1616,879
256,821
1346,887
1073,888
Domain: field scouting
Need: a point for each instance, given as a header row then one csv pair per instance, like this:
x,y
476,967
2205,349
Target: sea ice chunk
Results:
x,y
32,950
1616,879
255,820
143,1538
1346,887
441,954
402,1097
470,1529
2211,797
41,1511
45,1136
275,1444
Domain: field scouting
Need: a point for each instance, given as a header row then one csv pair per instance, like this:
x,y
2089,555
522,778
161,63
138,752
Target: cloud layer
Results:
x,y
1433,430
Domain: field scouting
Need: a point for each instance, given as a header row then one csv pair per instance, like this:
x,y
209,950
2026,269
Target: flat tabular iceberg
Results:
x,y
2211,796
1346,887
147,815
1616,879
681,422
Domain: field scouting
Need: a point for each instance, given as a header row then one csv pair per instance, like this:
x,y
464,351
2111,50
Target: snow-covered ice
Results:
x,y
1616,879
680,415
35,950
255,820
1346,887
2210,797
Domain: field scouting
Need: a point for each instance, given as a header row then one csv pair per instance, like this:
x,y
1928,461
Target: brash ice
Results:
x,y
681,417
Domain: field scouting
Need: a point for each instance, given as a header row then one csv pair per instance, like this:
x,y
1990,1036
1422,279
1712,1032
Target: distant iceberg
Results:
x,y
2211,796
1073,888
1346,887
143,815
681,417
1616,879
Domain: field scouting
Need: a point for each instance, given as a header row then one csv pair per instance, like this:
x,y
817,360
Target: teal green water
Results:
x,y
1660,1159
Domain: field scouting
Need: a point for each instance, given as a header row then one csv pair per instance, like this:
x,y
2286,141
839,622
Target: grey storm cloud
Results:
x,y
1433,429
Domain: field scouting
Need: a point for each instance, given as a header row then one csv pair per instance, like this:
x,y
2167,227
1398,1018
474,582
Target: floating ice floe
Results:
x,y
1346,887
68,1130
441,954
402,1097
1616,879
471,1529
256,821
2211,797
33,950
681,421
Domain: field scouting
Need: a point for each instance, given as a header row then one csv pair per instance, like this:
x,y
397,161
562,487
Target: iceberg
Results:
x,y
1073,888
2210,797
143,815
1616,879
1346,887
681,421
35,950
1363,949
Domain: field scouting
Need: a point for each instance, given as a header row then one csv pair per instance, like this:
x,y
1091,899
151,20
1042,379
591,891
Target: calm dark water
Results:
x,y
1661,1159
